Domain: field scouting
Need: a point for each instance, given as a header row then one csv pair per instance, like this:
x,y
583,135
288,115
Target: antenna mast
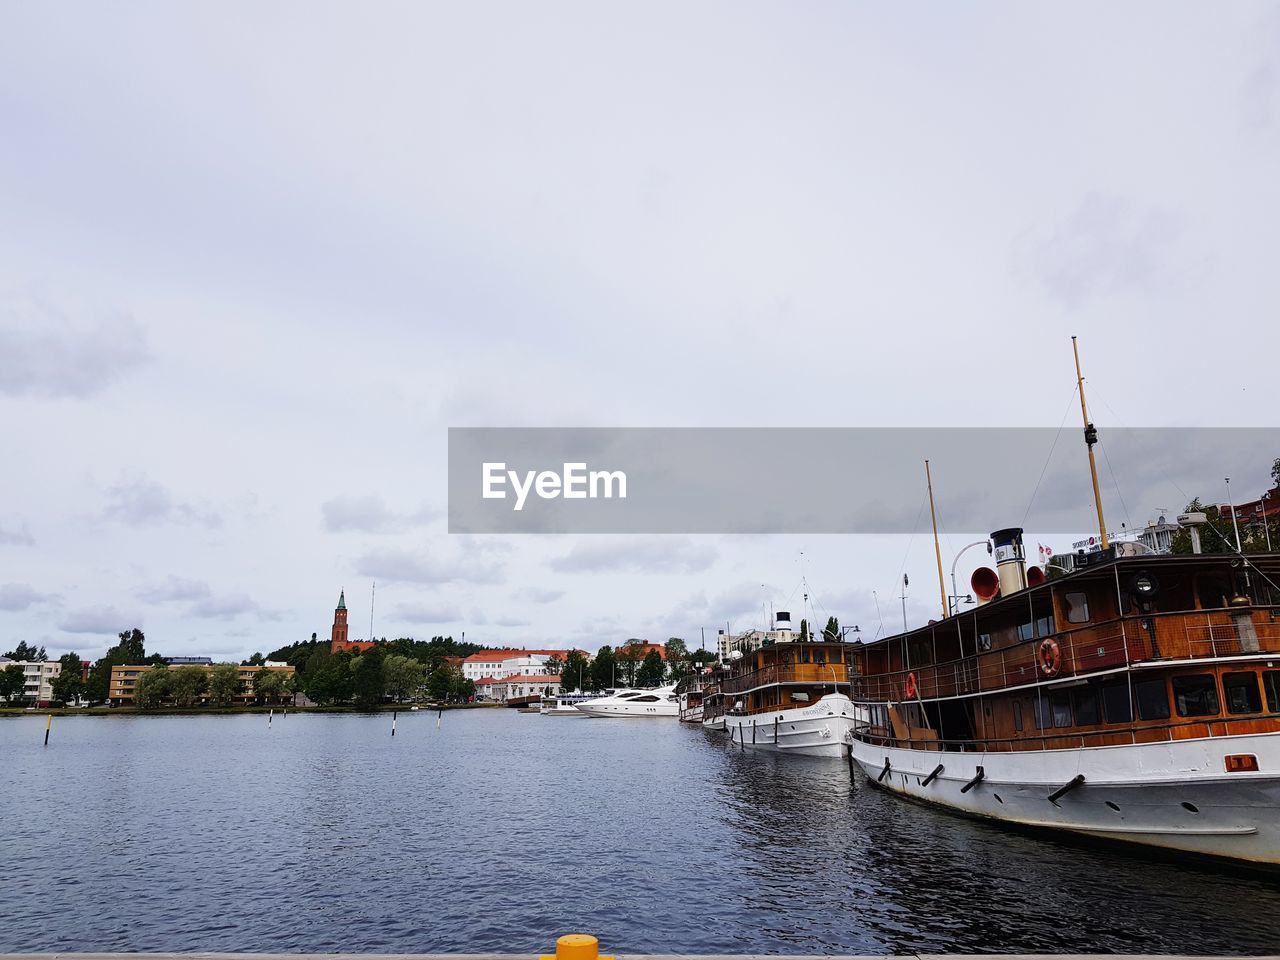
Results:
x,y
1090,438
372,594
937,549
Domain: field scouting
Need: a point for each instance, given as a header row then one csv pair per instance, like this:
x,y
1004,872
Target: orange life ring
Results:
x,y
1050,657
912,689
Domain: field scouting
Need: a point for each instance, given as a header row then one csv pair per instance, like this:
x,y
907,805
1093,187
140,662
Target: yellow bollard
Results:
x,y
576,946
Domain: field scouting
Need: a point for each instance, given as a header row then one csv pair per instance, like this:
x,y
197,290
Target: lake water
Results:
x,y
499,831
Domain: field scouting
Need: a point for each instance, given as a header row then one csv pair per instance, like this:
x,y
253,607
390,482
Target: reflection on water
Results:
x,y
502,830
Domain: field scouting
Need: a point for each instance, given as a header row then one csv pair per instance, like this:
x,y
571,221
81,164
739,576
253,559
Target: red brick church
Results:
x,y
338,638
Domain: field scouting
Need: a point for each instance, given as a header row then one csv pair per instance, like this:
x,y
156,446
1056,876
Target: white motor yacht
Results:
x,y
658,702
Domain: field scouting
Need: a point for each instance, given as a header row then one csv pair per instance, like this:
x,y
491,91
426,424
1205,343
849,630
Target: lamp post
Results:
x,y
976,543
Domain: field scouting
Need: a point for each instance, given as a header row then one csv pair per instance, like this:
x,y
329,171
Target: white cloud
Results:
x,y
409,567
428,614
175,589
46,354
139,502
15,597
370,514
636,555
20,536
105,619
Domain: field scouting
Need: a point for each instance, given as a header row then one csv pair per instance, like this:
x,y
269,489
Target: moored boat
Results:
x,y
656,702
564,704
786,696
1136,698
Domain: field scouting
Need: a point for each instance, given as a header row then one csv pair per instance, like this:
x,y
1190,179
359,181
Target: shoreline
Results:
x,y
230,711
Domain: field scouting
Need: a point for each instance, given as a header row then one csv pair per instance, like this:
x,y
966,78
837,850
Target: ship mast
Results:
x,y
1090,438
937,549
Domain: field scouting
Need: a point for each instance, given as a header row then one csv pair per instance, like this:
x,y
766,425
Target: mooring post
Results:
x,y
47,727
576,946
393,723
271,715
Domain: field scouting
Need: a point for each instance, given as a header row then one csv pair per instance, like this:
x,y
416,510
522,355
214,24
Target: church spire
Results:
x,y
342,599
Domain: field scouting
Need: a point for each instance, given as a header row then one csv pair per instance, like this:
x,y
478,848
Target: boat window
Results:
x,y
646,699
1077,605
1196,696
1153,699
984,641
1017,715
1241,693
802,655
1116,706
1212,591
819,656
1061,709
1271,684
1086,704
1026,631
1044,625
1043,712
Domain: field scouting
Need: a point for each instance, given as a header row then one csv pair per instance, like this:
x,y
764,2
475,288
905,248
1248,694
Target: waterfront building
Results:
x,y
1254,512
37,676
484,687
338,633
517,686
507,662
125,677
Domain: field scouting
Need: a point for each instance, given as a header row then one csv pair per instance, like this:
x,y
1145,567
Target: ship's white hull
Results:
x,y
821,729
715,723
1176,795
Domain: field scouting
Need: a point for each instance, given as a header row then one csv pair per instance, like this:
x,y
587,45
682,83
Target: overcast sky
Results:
x,y
255,259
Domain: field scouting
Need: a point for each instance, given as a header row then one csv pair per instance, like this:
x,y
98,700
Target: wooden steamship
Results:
x,y
1135,698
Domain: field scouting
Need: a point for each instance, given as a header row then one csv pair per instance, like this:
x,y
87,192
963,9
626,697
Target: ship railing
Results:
x,y
815,673
1086,650
1187,729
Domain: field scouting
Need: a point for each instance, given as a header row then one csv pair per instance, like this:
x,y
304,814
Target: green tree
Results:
x,y
1216,535
804,629
27,653
256,660
1275,473
574,675
651,670
269,685
701,657
153,687
69,683
224,684
602,668
402,677
461,688
831,632
440,682
677,658
366,677
628,658
329,679
132,646
12,681
187,684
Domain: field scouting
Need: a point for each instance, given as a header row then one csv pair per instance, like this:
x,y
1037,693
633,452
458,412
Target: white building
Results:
x,y
506,663
37,677
526,685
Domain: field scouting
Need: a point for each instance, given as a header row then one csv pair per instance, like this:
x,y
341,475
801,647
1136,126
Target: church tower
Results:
x,y
338,638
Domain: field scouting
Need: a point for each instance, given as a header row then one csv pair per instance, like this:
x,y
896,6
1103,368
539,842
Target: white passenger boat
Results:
x,y
787,697
565,705
658,702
